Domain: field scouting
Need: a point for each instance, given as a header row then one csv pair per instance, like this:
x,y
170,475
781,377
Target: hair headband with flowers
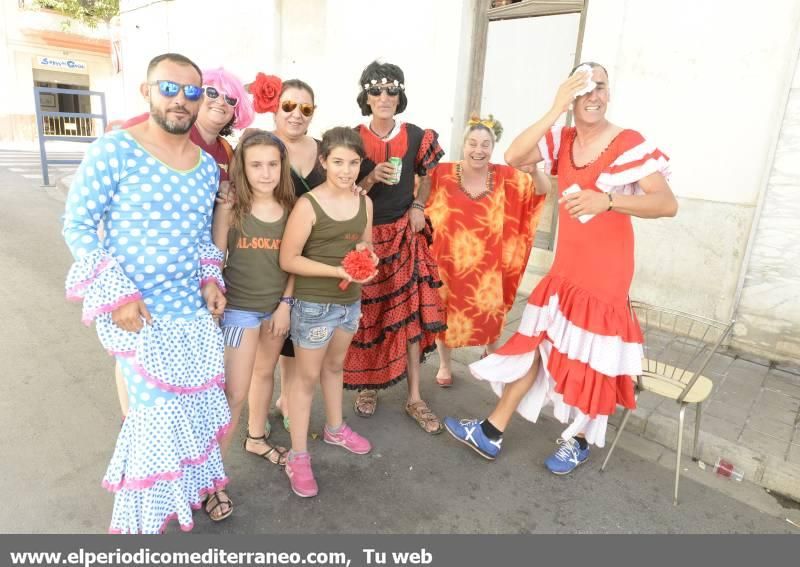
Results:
x,y
490,123
266,91
384,82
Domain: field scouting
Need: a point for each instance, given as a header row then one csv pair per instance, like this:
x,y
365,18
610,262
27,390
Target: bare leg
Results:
x,y
445,374
122,391
332,377
287,366
238,372
262,383
413,372
308,365
512,396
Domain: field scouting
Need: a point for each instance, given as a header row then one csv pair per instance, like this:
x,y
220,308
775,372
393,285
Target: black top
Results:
x,y
315,177
390,202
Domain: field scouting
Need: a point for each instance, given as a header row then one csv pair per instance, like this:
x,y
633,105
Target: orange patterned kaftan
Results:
x,y
482,247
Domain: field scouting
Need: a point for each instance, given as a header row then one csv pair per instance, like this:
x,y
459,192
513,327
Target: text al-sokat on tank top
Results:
x,y
252,272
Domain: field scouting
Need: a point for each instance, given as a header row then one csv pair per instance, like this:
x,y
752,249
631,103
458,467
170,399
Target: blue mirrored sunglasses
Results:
x,y
171,88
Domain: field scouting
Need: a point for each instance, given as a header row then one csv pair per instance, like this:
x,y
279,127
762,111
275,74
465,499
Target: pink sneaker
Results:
x,y
348,439
301,477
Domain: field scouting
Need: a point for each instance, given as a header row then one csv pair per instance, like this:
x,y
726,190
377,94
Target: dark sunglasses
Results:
x,y
305,108
171,88
213,93
391,91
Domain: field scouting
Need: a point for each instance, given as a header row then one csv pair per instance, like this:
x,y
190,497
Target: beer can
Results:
x,y
397,163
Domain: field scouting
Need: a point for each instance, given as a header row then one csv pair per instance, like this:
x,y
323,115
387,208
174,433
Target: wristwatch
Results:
x,y
290,301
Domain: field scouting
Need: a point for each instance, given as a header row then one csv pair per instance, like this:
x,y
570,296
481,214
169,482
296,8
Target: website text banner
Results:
x,y
397,550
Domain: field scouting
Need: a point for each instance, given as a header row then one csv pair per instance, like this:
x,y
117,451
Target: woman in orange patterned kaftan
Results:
x,y
484,218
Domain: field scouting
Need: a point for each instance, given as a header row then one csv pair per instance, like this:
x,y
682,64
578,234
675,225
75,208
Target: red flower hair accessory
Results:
x,y
266,91
358,264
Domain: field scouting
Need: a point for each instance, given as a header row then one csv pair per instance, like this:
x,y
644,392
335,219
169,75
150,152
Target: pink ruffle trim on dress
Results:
x,y
219,282
219,484
148,482
211,262
141,483
214,442
90,316
122,353
161,385
75,293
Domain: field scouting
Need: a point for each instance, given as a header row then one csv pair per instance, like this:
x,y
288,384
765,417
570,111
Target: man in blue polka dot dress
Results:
x,y
153,287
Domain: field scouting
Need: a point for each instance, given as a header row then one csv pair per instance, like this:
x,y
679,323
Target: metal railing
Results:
x,y
66,126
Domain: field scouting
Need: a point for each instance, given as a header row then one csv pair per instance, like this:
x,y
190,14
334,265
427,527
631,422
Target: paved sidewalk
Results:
x,y
752,417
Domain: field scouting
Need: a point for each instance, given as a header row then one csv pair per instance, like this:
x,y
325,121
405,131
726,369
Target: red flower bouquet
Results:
x,y
359,264
266,91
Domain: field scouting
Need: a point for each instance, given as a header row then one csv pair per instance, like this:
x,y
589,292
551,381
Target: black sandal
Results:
x,y
280,451
220,502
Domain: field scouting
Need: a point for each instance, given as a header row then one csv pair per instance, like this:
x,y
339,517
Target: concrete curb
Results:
x,y
768,471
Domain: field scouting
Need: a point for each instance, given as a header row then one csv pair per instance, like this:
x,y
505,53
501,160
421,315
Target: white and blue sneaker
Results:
x,y
469,432
568,456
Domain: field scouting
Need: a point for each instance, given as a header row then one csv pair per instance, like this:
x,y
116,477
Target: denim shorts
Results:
x,y
313,324
235,321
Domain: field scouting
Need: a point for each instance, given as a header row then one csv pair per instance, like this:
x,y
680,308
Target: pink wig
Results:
x,y
243,114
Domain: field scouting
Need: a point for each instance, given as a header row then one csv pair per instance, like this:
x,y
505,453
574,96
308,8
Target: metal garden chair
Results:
x,y
677,348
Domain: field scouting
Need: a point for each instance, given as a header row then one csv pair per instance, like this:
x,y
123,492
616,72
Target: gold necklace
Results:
x,y
489,183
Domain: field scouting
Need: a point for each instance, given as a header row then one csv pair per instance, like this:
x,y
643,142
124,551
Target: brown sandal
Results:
x,y
227,504
422,414
275,454
366,403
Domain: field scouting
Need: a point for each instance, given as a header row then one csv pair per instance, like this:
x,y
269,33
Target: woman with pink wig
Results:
x,y
226,106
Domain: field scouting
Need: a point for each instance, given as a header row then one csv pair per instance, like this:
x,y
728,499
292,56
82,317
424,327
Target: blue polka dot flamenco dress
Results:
x,y
156,246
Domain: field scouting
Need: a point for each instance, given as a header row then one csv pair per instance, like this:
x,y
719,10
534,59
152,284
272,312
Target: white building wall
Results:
x,y
202,30
768,317
323,42
707,82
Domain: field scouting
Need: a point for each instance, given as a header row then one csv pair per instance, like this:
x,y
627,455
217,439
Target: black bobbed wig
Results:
x,y
377,71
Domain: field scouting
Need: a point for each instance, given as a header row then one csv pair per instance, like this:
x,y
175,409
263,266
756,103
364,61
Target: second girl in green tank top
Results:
x,y
327,222
259,298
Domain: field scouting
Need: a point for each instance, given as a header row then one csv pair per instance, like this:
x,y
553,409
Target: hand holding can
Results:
x,y
397,163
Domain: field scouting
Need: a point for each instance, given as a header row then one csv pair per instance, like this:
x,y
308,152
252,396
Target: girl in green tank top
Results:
x,y
257,315
327,222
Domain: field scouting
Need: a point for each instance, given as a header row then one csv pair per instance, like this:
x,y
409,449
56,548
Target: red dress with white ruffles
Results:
x,y
578,319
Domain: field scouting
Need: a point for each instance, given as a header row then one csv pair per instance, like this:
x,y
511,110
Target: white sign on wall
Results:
x,y
60,64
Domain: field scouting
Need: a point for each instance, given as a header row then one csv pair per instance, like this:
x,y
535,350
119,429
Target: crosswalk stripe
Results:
x,y
27,164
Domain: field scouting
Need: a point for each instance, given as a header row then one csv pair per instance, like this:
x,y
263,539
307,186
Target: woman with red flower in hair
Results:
x,y
292,102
